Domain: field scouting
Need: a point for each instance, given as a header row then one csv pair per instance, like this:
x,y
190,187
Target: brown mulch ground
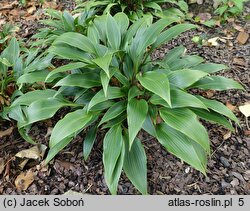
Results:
x,y
228,166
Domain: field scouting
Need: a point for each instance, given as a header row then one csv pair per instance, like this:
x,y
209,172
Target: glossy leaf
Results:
x,y
219,108
70,124
89,142
84,80
157,83
185,78
219,83
213,117
113,93
113,111
185,121
182,147
67,67
113,156
136,114
135,165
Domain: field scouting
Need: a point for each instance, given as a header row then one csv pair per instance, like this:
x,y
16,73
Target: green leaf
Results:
x,y
153,5
185,78
70,124
185,62
149,127
219,108
113,93
171,33
182,147
64,68
135,165
179,99
213,117
186,122
11,53
218,83
76,40
113,156
68,21
33,77
69,52
30,97
136,114
157,83
57,148
117,120
84,80
113,111
122,21
89,142
104,63
44,109
134,92
113,33
210,67
174,54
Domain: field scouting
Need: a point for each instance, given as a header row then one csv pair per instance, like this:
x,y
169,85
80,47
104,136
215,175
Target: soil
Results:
x,y
228,165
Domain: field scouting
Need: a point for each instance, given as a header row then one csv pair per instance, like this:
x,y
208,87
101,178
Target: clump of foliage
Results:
x,y
135,9
111,83
229,8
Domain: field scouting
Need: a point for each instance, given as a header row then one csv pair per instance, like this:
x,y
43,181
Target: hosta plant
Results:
x,y
134,8
111,84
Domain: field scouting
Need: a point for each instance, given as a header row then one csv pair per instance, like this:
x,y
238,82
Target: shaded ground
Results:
x,y
228,167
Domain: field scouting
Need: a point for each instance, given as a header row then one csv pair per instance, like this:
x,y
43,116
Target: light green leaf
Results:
x,y
89,142
76,40
182,147
157,83
104,63
113,156
84,80
135,165
122,21
33,77
218,83
136,111
12,51
185,121
30,97
113,33
64,68
70,124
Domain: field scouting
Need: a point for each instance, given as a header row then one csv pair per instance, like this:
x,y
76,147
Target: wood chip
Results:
x,y
239,61
242,37
230,106
2,165
6,132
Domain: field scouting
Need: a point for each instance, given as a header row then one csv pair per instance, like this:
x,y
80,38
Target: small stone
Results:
x,y
238,176
225,162
247,175
71,184
225,184
235,182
